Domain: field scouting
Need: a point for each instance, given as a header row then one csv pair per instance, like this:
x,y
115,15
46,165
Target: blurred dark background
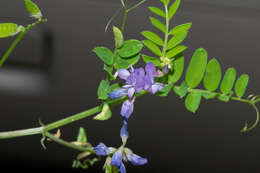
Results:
x,y
53,73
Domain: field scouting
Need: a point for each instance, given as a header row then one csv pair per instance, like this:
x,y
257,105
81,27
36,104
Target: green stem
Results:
x,y
166,32
68,144
18,39
124,20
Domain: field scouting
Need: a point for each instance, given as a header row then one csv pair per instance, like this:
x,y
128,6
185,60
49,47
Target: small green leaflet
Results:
x,y
181,90
125,62
192,101
158,24
165,91
180,28
241,85
209,95
33,9
104,54
175,51
223,98
105,114
153,37
213,75
130,48
9,29
196,68
228,81
103,90
119,39
165,1
178,66
177,39
156,62
157,11
173,8
153,47
82,136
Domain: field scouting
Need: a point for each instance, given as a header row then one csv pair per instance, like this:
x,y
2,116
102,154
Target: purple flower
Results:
x,y
117,158
122,168
136,160
118,93
101,149
127,108
124,132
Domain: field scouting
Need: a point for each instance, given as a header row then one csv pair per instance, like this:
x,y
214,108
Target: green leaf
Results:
x,y
228,81
103,90
119,39
181,90
196,68
153,37
165,91
33,9
180,28
105,114
158,24
177,66
177,39
109,70
223,98
130,48
9,29
165,1
157,11
104,54
156,62
175,51
209,95
153,47
173,8
125,62
82,136
213,75
241,85
115,86
192,101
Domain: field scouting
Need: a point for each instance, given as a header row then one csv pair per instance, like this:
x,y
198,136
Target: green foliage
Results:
x,y
192,101
213,75
177,39
9,29
153,37
241,85
177,69
157,11
125,62
175,51
180,28
153,47
173,8
196,68
104,54
33,9
130,48
119,39
158,24
103,90
166,2
228,81
209,95
156,62
105,113
181,90
109,70
82,135
223,98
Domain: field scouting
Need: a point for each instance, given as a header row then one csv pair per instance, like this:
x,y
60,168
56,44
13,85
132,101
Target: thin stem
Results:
x,y
166,32
256,121
136,5
68,144
18,39
124,20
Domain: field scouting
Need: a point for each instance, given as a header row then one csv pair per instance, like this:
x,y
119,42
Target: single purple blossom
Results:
x,y
124,132
127,108
136,160
101,149
117,158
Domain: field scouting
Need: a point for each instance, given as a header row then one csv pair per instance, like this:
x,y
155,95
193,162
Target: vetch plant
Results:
x,y
125,82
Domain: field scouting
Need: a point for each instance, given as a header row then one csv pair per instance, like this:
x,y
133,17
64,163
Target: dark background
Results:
x,y
53,73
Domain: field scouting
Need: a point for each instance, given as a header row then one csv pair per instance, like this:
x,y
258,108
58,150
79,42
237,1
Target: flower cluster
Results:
x,y
136,80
